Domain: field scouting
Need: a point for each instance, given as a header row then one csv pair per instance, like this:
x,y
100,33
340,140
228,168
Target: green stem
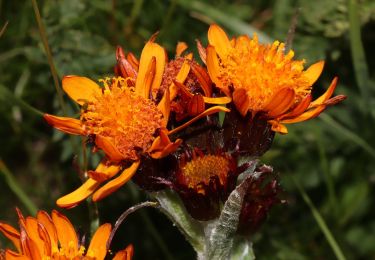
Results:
x,y
321,223
17,189
43,35
357,50
327,176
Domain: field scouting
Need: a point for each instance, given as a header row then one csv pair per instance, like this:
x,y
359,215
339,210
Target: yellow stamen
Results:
x,y
128,120
262,70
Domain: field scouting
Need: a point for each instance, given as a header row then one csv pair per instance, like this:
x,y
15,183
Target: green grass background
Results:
x,y
331,158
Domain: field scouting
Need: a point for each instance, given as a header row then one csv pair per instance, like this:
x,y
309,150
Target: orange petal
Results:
x,y
12,234
196,105
44,236
326,95
203,79
133,60
168,149
209,111
219,39
217,100
126,69
115,184
181,76
150,51
33,233
65,232
181,47
10,255
277,127
72,199
29,248
164,107
109,149
46,221
66,124
213,68
162,145
98,244
299,109
125,254
241,100
80,89
201,51
313,72
280,102
305,116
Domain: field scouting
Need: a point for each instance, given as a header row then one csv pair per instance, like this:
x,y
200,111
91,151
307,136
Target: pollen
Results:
x,y
128,120
262,70
202,168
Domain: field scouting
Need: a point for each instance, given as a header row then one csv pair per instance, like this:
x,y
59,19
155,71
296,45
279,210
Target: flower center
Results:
x,y
262,70
201,169
128,120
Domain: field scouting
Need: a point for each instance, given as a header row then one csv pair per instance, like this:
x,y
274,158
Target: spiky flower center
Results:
x,y
202,168
128,120
262,70
68,253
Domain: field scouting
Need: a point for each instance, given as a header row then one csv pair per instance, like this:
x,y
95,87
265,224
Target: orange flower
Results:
x,y
263,79
126,118
54,237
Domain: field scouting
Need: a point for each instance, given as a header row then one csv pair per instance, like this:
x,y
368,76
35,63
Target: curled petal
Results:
x,y
65,231
217,100
313,72
109,148
213,68
80,89
133,61
125,254
299,109
219,39
211,110
181,47
203,79
201,51
280,102
164,107
116,183
66,124
72,199
312,113
10,255
45,220
98,244
12,234
196,105
278,127
181,76
150,51
326,95
241,100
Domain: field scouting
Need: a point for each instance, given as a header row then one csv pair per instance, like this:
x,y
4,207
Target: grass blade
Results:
x,y
47,49
3,29
321,223
225,19
348,134
12,183
357,50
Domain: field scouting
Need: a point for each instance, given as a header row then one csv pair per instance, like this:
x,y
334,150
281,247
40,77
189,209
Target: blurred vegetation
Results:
x,y
332,157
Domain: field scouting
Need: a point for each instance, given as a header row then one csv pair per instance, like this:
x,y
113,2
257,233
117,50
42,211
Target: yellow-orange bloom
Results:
x,y
53,237
126,118
261,78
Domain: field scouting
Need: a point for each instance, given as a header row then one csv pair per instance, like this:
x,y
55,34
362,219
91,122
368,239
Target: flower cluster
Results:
x,y
181,125
53,237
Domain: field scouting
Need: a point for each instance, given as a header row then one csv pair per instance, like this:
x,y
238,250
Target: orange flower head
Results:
x,y
126,119
263,78
54,237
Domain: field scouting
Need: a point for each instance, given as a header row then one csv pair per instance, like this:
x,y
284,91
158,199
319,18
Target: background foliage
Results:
x,y
331,158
